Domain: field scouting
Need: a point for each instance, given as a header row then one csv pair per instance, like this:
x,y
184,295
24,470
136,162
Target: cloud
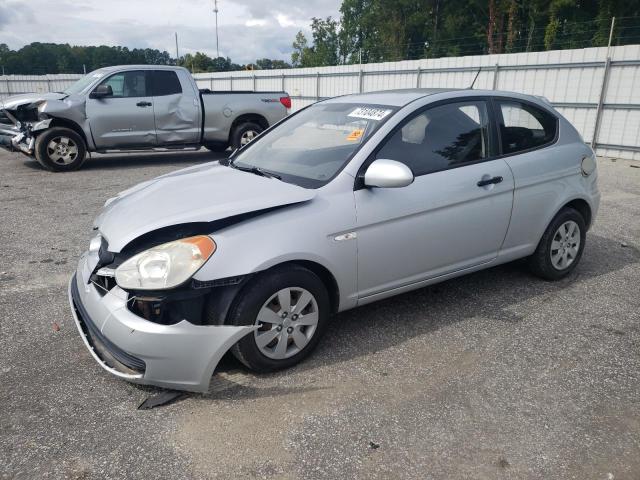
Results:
x,y
248,29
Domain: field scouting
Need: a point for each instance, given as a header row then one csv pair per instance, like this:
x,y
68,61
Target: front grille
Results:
x,y
98,340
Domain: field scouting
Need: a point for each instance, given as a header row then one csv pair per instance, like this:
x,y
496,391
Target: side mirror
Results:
x,y
102,91
384,173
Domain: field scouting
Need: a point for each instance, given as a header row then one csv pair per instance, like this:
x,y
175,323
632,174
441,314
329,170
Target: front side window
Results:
x,y
441,137
524,126
128,84
310,147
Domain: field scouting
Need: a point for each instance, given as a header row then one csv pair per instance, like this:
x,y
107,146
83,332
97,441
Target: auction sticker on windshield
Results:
x,y
369,113
355,135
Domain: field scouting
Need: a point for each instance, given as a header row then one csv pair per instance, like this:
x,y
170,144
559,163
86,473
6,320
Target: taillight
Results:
x,y
286,101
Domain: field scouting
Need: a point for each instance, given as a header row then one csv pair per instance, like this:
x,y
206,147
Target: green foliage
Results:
x,y
387,30
42,58
325,48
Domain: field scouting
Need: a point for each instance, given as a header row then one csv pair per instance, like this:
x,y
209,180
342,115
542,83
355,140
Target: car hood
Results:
x,y
15,101
203,193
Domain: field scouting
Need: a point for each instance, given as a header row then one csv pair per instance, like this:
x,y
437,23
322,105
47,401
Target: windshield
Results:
x,y
309,148
84,82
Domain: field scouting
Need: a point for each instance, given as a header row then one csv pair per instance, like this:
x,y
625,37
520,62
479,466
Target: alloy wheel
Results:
x,y
565,245
62,150
287,323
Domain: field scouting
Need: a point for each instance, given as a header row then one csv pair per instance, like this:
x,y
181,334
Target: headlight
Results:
x,y
165,266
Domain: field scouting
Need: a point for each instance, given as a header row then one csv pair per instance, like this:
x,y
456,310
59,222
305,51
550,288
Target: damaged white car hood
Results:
x,y
203,193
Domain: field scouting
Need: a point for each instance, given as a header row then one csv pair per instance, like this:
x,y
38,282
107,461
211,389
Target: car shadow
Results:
x,y
489,294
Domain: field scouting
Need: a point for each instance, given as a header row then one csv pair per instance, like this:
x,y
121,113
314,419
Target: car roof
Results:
x,y
402,97
114,68
394,98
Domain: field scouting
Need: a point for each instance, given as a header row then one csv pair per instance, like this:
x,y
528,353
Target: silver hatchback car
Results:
x,y
348,201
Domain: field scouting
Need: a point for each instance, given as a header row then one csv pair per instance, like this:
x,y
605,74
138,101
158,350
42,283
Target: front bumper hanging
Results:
x,y
181,356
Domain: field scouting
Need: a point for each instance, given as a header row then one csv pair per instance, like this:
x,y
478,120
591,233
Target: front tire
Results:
x,y
561,246
60,149
291,306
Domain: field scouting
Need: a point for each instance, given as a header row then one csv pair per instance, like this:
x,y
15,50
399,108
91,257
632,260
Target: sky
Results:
x,y
248,29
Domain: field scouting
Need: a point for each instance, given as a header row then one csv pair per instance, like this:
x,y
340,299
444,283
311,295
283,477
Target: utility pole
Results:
x,y
177,51
215,10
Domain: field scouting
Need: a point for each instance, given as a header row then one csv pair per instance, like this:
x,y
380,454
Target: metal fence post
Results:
x,y
254,82
360,75
603,94
495,76
317,86
418,77
231,82
283,82
211,83
603,90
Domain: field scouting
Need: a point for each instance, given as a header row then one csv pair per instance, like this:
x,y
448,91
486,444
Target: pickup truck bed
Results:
x,y
134,107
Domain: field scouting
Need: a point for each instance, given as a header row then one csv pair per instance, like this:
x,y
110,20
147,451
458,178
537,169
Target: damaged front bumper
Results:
x,y
19,136
181,356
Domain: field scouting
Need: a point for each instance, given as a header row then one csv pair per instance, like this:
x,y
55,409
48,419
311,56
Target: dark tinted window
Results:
x,y
165,83
525,126
441,137
128,84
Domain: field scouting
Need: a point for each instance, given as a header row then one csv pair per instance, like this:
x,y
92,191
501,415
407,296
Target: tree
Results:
x,y
325,50
268,64
301,51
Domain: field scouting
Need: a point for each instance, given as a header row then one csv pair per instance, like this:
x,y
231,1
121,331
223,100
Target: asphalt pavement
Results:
x,y
494,375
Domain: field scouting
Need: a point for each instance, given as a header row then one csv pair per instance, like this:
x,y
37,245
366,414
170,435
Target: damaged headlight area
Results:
x,y
165,266
19,126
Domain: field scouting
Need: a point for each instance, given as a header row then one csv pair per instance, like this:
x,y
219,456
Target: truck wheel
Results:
x,y
244,133
60,149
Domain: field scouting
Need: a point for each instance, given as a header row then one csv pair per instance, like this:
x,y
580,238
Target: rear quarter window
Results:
x,y
524,127
165,82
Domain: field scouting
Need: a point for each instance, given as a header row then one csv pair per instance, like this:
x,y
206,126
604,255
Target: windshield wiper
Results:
x,y
256,171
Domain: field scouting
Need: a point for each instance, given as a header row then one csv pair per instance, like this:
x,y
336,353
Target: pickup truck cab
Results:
x,y
134,107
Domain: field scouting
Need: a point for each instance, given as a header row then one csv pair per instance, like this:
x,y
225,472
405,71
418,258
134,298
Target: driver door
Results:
x,y
449,219
124,119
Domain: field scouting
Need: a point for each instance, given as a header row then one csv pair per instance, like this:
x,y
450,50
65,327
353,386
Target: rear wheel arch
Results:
x,y
583,208
250,118
578,204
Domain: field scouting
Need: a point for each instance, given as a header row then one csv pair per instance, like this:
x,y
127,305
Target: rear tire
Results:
x,y
560,247
291,305
244,133
60,149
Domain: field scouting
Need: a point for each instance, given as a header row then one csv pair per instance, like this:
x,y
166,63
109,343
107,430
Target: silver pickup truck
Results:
x,y
133,107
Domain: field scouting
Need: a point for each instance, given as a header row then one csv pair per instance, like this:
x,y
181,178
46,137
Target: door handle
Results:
x,y
143,104
489,181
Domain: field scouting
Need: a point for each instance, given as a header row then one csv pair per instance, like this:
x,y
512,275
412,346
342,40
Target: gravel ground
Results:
x,y
494,375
